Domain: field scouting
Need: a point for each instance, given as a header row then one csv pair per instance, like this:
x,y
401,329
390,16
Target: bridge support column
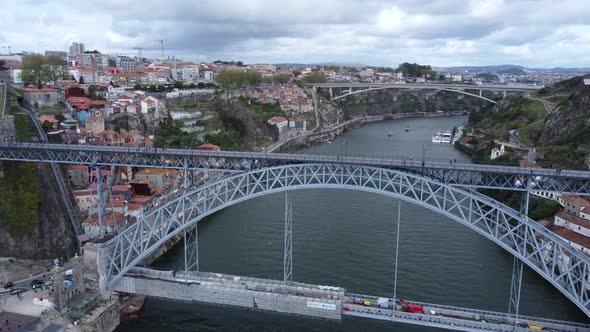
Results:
x,y
191,249
399,213
316,106
504,94
517,266
331,94
480,92
288,252
100,202
186,177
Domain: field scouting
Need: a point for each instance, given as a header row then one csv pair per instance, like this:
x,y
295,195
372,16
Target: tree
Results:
x,y
137,87
232,79
81,81
153,88
178,85
281,78
161,88
47,126
296,73
92,91
313,77
3,65
60,117
192,85
41,70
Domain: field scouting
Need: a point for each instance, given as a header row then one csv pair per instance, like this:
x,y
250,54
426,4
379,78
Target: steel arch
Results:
x,y
411,88
543,251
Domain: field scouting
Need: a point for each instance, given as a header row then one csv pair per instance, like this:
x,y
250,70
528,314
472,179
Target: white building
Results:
x,y
151,105
16,76
76,48
587,81
281,123
456,77
497,152
574,230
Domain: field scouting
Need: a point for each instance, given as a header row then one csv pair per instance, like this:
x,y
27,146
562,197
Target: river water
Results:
x,y
347,238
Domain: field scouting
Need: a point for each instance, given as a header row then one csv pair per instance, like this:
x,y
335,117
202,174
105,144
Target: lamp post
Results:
x,y
343,148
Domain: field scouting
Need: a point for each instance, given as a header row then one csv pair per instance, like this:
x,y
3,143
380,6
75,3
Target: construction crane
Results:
x,y
139,51
8,47
162,45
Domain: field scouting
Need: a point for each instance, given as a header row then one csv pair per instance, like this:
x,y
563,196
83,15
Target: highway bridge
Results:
x,y
356,88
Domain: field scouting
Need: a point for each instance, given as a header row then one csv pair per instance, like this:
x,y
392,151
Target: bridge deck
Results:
x,y
469,175
319,301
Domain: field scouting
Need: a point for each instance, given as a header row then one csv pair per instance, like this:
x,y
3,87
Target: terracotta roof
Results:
x,y
575,200
121,187
134,206
572,236
528,164
80,167
277,119
208,147
574,219
44,89
112,218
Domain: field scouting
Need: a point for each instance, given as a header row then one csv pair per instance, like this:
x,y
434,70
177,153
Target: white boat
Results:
x,y
436,138
389,134
446,137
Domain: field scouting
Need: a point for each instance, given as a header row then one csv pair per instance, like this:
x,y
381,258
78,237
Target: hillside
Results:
x,y
562,138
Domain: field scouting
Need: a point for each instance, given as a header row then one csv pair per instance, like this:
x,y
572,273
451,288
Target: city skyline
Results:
x,y
440,33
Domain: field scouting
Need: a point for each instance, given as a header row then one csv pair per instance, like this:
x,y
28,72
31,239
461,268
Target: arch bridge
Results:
x,y
356,88
530,243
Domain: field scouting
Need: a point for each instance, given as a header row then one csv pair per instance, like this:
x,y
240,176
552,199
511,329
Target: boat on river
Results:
x,y
436,138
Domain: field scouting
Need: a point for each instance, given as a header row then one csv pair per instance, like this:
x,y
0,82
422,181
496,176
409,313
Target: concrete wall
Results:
x,y
7,129
248,298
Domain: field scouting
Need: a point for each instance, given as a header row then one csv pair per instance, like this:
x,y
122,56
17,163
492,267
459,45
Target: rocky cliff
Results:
x,y
383,102
570,124
33,220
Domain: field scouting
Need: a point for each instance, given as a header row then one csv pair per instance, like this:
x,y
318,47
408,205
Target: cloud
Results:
x,y
380,32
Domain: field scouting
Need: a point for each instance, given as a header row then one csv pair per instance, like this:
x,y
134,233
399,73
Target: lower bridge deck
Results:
x,y
322,301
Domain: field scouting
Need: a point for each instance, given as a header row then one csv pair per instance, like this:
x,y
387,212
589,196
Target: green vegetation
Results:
x,y
225,141
19,197
232,79
41,70
266,111
313,77
53,109
539,208
410,103
531,134
513,113
416,70
25,130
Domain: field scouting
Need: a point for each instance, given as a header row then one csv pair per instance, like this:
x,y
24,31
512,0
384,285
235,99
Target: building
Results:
x,y
497,152
78,175
151,105
76,49
281,123
126,63
156,177
95,123
587,81
575,205
297,123
574,230
94,59
85,199
113,221
42,97
61,54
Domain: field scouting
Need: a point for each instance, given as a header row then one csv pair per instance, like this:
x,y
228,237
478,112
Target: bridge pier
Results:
x,y
100,202
331,94
503,94
518,265
191,249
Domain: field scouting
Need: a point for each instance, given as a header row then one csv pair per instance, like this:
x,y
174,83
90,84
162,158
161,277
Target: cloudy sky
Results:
x,y
534,33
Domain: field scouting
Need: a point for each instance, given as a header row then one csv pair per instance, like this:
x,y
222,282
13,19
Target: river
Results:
x,y
347,238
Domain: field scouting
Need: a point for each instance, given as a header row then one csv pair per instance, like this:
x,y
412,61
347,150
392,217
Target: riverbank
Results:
x,y
328,135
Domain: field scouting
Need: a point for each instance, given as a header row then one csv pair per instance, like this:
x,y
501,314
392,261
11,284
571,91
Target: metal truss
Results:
x,y
517,266
191,249
288,251
464,175
543,251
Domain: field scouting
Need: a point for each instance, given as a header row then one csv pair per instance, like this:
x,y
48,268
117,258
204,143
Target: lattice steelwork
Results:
x,y
540,249
467,175
288,250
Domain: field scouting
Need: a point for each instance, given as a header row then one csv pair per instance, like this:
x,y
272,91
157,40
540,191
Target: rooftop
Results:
x,y
570,235
575,200
574,219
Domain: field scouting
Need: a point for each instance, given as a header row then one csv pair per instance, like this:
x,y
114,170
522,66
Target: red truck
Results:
x,y
411,308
